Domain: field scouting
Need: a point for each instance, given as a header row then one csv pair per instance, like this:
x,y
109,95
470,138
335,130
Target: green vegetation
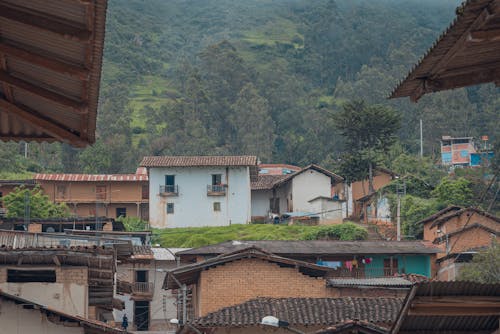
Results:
x,y
202,236
39,204
485,266
133,223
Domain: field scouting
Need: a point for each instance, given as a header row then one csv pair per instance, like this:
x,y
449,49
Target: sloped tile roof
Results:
x,y
304,311
92,177
265,182
198,161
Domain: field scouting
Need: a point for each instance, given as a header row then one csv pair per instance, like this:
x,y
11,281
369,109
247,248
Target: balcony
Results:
x,y
364,272
216,190
169,190
142,290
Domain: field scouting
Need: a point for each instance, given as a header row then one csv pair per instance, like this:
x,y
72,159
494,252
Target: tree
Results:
x,y
369,131
454,192
39,204
485,266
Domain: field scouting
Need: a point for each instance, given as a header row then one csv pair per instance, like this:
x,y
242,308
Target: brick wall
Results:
x,y
473,238
239,281
72,275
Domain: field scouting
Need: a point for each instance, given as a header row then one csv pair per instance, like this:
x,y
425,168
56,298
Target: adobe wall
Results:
x,y
69,293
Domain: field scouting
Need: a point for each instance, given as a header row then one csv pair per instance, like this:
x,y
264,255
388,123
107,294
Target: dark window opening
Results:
x,y
141,315
216,179
141,276
26,276
170,180
170,207
145,191
121,212
216,206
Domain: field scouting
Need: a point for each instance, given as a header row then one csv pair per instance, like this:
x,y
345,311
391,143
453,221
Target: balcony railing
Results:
x,y
216,190
364,272
169,190
143,288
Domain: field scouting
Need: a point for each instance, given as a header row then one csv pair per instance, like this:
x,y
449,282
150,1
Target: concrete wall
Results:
x,y
308,185
261,202
16,319
330,211
68,294
192,206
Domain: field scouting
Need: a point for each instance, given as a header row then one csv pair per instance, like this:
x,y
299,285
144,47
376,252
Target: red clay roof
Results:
x,y
265,182
198,161
91,177
457,213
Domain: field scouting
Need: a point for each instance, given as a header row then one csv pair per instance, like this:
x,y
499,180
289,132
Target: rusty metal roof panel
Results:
x,y
50,68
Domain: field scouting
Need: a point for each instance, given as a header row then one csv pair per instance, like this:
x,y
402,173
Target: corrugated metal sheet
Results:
x,y
378,282
35,35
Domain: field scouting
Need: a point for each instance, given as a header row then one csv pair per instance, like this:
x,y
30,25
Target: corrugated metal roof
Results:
x,y
373,282
50,68
92,177
198,161
166,254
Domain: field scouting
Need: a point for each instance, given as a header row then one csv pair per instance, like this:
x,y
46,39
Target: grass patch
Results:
x,y
275,31
203,236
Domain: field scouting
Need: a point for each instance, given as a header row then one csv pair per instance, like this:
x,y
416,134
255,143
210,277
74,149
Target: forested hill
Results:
x,y
259,77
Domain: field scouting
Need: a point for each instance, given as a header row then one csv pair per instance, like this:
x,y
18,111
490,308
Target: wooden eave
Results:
x,y
50,68
466,54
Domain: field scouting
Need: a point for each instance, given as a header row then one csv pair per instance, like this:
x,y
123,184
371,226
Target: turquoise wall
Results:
x,y
409,264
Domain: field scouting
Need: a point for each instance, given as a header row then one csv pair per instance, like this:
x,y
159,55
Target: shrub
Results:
x,y
132,223
346,231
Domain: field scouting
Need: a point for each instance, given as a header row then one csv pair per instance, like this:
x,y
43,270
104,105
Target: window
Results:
x,y
100,192
216,206
145,191
26,276
216,179
169,180
61,191
170,208
141,276
121,212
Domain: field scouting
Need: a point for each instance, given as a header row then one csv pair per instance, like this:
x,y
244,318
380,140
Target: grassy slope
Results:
x,y
202,236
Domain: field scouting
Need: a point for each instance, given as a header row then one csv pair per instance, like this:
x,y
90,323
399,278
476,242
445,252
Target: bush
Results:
x,y
39,204
346,231
132,223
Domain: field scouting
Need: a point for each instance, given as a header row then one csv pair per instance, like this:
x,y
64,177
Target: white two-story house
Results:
x,y
192,191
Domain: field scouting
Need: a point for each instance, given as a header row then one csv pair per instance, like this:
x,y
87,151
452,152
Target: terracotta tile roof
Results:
x,y
91,177
305,311
457,213
142,252
265,181
198,161
443,238
354,326
440,213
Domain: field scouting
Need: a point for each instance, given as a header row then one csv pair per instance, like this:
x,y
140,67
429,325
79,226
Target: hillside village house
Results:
x,y
459,233
310,191
189,191
108,195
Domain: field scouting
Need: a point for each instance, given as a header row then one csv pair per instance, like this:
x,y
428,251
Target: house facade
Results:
x,y
191,191
311,191
108,195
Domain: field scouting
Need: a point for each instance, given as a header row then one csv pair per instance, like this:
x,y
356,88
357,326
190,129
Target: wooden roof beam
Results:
x,y
42,92
45,22
42,124
455,306
45,62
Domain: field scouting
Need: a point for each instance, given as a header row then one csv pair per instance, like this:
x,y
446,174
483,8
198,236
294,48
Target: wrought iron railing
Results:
x,y
169,189
216,189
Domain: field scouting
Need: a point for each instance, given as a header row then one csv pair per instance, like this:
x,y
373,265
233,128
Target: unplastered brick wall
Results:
x,y
456,223
239,281
473,238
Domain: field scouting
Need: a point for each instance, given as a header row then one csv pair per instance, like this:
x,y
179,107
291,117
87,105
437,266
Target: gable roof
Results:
x,y
456,213
467,53
449,307
290,248
317,168
199,161
49,88
189,274
305,311
440,213
466,228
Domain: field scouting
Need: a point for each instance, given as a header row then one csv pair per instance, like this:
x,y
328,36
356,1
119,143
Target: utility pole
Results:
x,y
421,140
398,231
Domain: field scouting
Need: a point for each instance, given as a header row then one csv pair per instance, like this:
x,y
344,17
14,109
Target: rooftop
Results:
x,y
50,86
467,53
305,311
198,161
92,177
319,247
266,182
389,282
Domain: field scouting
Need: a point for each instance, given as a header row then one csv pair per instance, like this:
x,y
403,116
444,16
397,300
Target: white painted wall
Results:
x,y
193,207
308,185
261,202
15,319
330,212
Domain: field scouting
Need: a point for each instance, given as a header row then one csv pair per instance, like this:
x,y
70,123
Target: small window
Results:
x,y
61,191
216,206
121,212
170,207
169,180
100,192
27,276
216,179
